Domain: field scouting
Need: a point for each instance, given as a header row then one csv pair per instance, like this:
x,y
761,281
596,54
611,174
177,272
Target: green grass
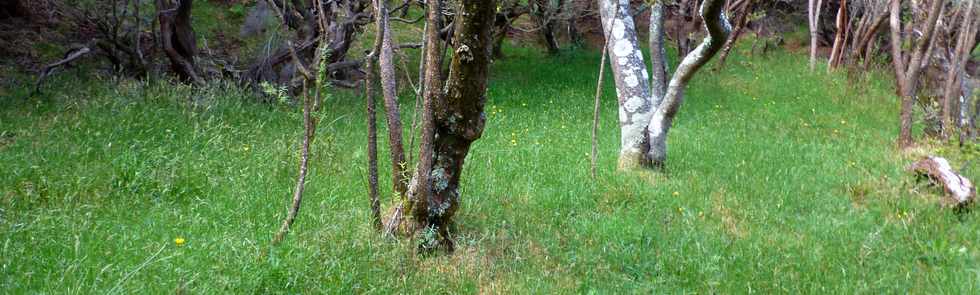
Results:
x,y
780,181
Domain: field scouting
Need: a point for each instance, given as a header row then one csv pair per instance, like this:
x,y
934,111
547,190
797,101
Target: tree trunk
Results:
x,y
907,75
372,149
420,188
718,30
632,82
957,61
177,36
646,108
740,22
458,118
839,39
386,67
544,15
814,21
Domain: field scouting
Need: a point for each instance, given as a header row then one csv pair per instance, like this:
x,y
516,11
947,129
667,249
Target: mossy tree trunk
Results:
x,y
457,120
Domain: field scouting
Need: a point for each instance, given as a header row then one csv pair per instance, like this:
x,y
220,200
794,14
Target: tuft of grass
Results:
x,y
780,181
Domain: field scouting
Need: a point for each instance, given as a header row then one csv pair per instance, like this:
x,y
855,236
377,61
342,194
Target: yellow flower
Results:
x,y
179,241
677,193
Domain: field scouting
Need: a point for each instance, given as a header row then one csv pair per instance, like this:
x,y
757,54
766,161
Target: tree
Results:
x,y
452,118
907,74
813,17
338,22
177,37
840,37
648,103
546,15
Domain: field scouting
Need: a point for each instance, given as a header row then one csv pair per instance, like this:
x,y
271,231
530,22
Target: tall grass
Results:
x,y
780,181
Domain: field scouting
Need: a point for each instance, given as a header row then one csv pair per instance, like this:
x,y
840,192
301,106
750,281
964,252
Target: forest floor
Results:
x,y
780,181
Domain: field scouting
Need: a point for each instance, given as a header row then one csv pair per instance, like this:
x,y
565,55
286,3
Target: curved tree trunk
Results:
x,y
718,30
177,36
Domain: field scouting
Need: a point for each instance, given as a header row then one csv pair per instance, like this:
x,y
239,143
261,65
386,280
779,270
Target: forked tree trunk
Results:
x,y
456,118
646,112
907,75
718,29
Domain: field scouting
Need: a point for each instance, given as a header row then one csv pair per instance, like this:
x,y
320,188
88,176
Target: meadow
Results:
x,y
780,181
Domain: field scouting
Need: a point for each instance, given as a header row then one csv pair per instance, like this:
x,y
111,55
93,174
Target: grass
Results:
x,y
781,181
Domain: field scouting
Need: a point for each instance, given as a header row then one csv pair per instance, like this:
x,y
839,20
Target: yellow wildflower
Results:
x,y
179,241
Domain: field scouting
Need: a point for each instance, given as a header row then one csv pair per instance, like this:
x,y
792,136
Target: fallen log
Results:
x,y
958,189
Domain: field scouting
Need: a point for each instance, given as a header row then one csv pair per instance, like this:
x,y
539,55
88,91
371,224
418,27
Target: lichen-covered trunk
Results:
x,y
658,87
632,82
459,117
647,106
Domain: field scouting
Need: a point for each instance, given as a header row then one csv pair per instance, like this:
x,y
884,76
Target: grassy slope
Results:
x,y
781,181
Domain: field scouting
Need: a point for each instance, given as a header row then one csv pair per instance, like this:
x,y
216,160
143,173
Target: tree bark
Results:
x,y
743,10
718,29
309,124
632,82
458,118
420,188
177,36
957,61
386,68
369,97
647,108
907,75
839,38
814,21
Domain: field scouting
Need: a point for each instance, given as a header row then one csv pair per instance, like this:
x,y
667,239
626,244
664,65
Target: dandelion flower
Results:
x,y
179,241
